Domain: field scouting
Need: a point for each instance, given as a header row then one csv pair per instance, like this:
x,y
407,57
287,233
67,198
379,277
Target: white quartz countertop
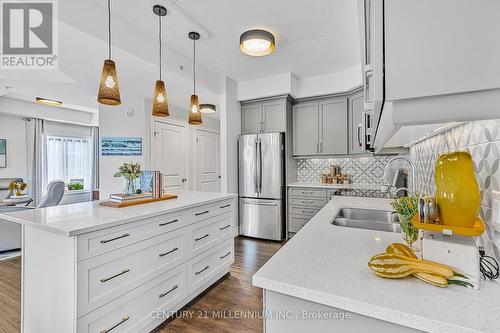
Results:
x,y
79,218
327,264
352,186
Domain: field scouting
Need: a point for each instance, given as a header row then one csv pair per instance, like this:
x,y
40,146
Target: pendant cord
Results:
x,y
194,67
109,29
159,34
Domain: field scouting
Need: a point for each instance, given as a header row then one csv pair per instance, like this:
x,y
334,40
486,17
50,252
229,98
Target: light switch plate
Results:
x,y
495,210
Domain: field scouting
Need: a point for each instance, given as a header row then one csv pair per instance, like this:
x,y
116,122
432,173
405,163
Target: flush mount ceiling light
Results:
x,y
207,108
160,101
257,43
194,105
47,101
109,90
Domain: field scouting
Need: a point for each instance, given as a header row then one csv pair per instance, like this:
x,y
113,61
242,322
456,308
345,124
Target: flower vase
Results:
x,y
409,232
129,187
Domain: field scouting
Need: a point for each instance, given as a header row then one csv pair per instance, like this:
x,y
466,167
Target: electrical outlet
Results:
x,y
495,210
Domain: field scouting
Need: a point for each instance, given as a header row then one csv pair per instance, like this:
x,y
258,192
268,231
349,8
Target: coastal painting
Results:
x,y
3,153
121,146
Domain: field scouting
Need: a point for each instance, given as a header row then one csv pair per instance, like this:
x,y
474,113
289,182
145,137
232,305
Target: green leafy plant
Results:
x,y
407,207
129,171
74,186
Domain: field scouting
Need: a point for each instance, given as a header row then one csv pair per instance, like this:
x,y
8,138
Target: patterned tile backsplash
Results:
x,y
482,140
364,170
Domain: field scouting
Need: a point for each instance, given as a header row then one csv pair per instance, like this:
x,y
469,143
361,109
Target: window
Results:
x,y
69,159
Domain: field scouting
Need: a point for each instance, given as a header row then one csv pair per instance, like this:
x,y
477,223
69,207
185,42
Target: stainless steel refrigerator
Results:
x,y
261,185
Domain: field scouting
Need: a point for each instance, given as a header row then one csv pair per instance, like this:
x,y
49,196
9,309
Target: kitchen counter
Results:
x,y
327,264
79,218
351,186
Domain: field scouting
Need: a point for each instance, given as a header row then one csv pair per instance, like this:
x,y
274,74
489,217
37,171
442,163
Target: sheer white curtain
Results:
x,y
69,159
36,158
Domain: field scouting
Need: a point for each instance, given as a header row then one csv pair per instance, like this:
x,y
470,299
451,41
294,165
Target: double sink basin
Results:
x,y
371,219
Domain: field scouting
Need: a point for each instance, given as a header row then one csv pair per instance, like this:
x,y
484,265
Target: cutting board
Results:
x,y
136,202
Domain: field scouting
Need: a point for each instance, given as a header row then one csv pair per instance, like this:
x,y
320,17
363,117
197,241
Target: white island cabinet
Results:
x,y
93,269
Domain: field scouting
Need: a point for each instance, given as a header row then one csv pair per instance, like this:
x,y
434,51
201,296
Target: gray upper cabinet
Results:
x,y
333,126
264,117
251,118
320,127
356,130
305,128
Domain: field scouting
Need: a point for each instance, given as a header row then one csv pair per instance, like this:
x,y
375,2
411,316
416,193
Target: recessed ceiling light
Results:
x,y
47,101
257,43
207,108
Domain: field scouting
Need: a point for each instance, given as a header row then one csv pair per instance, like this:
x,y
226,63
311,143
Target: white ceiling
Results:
x,y
314,37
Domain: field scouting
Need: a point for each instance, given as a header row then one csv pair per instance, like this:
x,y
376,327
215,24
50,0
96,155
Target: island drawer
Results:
x,y
203,267
308,202
106,240
205,234
139,308
304,211
106,277
308,192
210,210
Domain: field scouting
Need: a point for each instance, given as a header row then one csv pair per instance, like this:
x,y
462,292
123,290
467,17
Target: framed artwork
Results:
x,y
3,153
121,146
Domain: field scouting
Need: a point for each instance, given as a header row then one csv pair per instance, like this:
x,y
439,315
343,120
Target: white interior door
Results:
x,y
207,161
171,154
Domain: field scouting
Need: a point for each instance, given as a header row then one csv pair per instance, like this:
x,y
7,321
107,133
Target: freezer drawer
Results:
x,y
261,218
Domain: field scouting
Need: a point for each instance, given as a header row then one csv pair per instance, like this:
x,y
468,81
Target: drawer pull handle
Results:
x,y
227,226
204,269
104,241
308,192
167,223
225,206
124,319
307,202
116,275
168,252
202,237
168,292
222,257
201,213
308,211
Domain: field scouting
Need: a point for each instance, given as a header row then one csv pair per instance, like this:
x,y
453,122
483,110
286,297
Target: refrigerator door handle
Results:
x,y
260,166
256,178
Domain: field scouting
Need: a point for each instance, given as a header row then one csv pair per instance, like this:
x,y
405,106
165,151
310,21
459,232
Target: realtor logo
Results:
x,y
29,34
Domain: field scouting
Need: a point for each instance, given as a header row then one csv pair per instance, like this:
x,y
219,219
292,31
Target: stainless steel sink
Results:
x,y
382,220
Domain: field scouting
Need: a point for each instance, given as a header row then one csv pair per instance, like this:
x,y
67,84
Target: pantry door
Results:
x,y
171,154
207,161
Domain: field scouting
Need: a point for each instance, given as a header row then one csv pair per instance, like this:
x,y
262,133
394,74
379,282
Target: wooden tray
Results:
x,y
476,230
136,202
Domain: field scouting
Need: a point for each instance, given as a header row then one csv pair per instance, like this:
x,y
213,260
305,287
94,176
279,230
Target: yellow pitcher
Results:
x,y
457,191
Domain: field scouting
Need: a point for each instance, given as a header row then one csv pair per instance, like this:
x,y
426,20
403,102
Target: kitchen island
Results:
x,y
89,268
323,270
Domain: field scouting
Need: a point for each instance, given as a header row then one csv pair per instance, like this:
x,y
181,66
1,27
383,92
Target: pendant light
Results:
x,y
109,90
160,101
194,105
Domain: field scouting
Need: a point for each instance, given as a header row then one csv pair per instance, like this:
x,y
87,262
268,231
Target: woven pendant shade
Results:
x,y
160,100
109,90
194,111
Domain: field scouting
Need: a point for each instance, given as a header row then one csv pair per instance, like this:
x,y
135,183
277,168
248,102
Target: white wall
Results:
x,y
230,118
288,83
13,129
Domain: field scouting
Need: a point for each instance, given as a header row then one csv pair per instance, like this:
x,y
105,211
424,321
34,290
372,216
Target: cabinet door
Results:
x,y
356,130
251,117
273,116
333,126
305,128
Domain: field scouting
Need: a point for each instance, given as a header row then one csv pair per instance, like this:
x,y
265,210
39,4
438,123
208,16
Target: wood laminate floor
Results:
x,y
228,306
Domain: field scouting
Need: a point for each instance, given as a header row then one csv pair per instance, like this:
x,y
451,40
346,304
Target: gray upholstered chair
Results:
x,y
5,193
55,192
